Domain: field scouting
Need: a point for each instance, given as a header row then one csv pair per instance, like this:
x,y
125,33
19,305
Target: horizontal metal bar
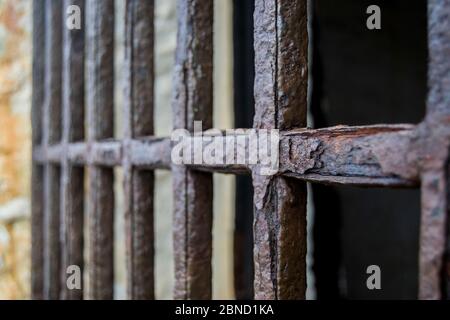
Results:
x,y
106,153
236,169
379,155
391,182
151,153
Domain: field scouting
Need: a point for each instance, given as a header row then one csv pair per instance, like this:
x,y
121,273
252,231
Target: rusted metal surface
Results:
x,y
37,196
439,66
100,97
281,66
192,233
72,209
382,155
52,248
433,146
446,269
72,178
193,190
432,234
435,136
373,155
150,153
146,153
138,184
281,51
53,73
378,155
37,233
51,135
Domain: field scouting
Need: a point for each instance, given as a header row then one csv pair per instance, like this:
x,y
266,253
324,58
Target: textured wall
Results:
x,y
15,70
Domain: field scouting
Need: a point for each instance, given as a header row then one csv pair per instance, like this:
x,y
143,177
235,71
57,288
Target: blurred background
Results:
x,y
357,77
15,146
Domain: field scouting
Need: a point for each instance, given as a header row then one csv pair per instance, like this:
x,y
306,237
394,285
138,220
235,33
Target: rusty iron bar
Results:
x,y
52,135
384,155
37,196
434,271
439,66
432,235
100,105
376,155
146,153
379,155
72,178
192,222
281,79
446,268
138,121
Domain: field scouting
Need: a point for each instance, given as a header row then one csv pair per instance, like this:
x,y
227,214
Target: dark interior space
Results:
x,y
362,77
370,76
243,77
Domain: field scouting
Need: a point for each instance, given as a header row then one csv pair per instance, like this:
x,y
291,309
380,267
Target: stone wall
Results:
x,y
15,71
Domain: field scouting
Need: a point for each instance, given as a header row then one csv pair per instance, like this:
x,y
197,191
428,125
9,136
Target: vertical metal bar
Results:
x,y
193,190
37,196
439,64
281,51
52,135
434,167
37,235
100,105
72,178
446,269
138,184
52,248
432,233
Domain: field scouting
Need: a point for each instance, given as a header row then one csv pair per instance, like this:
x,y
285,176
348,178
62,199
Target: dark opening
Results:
x,y
243,74
362,77
369,76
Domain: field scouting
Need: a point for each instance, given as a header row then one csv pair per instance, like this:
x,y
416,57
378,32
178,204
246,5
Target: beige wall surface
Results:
x,y
15,130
